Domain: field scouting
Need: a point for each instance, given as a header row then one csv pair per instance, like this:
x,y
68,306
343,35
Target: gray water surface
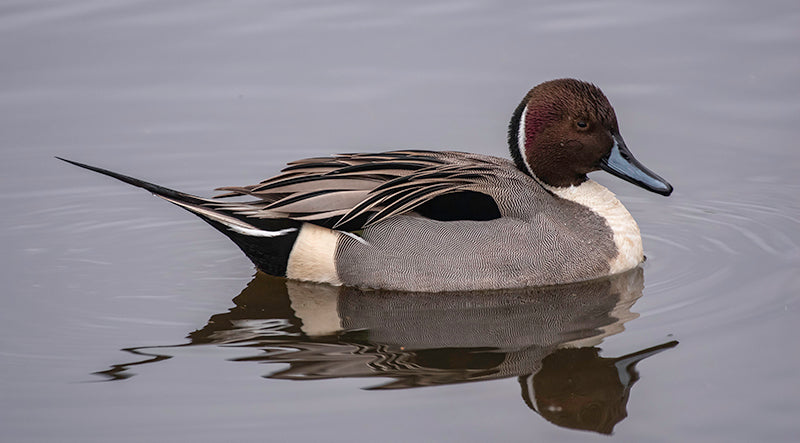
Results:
x,y
126,319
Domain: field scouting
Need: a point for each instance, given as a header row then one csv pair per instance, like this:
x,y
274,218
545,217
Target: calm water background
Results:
x,y
200,94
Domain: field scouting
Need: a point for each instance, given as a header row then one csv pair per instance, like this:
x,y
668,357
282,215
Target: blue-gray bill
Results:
x,y
621,162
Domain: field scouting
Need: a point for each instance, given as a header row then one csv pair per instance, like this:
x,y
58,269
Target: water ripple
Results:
x,y
719,261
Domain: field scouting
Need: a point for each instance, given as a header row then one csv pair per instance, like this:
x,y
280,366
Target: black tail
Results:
x,y
155,189
266,242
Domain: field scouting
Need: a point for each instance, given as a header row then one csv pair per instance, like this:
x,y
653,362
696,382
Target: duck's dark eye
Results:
x,y
582,124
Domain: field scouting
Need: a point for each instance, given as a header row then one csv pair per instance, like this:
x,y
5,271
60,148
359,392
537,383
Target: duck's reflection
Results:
x,y
544,336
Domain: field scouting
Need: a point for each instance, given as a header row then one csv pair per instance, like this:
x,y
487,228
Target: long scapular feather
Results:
x,y
309,202
409,202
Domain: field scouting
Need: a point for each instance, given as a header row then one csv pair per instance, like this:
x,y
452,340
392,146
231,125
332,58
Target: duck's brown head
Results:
x,y
566,128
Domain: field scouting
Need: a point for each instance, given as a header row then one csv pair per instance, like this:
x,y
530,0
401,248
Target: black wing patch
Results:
x,y
464,205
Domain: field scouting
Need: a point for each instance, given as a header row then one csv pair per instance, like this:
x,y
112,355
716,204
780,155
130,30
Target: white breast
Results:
x,y
605,204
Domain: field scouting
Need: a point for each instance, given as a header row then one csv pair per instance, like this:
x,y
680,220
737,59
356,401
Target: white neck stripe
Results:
x,y
521,138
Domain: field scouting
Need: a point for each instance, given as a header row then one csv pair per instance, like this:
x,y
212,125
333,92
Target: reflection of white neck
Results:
x,y
532,392
629,287
605,204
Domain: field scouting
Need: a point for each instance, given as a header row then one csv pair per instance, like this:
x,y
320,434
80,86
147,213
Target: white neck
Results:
x,y
605,204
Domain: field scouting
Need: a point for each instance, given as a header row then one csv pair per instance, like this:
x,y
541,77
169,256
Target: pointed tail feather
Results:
x,y
266,242
154,188
192,203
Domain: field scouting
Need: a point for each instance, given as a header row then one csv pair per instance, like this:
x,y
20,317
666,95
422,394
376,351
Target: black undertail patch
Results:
x,y
269,254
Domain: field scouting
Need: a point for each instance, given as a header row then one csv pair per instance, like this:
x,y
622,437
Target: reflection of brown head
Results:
x,y
578,389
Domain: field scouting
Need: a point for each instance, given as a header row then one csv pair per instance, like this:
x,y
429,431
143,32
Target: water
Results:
x,y
124,319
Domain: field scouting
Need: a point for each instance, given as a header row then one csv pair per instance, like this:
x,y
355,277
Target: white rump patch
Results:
x,y
313,254
605,204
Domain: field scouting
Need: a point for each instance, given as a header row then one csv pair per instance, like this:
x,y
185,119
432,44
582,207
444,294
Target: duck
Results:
x,y
441,221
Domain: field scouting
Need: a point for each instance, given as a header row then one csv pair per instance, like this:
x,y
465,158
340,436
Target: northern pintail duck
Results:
x,y
445,221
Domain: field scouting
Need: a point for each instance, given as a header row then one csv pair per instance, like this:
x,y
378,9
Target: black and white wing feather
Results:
x,y
354,191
